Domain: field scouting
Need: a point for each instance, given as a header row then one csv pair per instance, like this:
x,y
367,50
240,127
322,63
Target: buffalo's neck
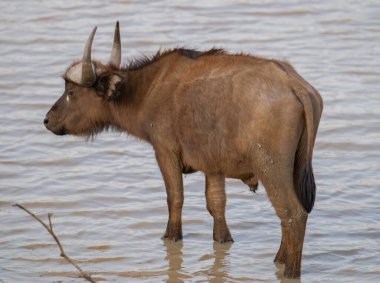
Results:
x,y
132,112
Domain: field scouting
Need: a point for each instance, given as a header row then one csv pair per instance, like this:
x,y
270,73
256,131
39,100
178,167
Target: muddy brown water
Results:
x,y
108,197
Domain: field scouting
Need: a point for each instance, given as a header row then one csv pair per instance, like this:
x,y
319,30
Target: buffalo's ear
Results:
x,y
109,86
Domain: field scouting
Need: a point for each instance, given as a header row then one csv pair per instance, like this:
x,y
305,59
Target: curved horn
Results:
x,y
116,49
88,72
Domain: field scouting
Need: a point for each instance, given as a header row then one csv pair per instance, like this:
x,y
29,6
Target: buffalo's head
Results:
x,y
84,107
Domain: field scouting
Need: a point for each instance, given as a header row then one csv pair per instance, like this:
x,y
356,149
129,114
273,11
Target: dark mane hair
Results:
x,y
143,61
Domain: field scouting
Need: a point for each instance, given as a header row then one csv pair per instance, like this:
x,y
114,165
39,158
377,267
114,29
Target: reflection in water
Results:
x,y
174,258
217,272
220,269
280,277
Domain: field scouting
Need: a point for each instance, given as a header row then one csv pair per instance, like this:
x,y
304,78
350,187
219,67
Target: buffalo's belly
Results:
x,y
209,159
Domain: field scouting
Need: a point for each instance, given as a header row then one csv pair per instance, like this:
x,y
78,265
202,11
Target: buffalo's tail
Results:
x,y
307,188
303,170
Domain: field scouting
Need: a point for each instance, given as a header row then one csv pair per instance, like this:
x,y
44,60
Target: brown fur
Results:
x,y
229,116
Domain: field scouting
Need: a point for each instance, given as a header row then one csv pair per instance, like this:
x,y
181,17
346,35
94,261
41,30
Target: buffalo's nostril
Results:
x,y
46,121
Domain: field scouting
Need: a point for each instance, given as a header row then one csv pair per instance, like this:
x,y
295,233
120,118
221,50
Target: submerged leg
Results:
x,y
216,203
295,227
172,174
280,190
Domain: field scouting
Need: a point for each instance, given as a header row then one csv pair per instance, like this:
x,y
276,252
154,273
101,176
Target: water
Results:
x,y
108,197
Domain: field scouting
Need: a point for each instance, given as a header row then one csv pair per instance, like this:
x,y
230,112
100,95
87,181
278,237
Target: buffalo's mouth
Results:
x,y
61,132
58,130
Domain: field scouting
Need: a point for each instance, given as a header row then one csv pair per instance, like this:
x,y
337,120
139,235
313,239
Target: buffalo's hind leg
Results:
x,y
281,254
280,189
216,204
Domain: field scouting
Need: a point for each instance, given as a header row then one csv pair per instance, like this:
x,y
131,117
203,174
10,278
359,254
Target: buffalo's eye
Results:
x,y
70,92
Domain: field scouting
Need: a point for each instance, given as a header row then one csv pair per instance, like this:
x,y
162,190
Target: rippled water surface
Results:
x,y
108,197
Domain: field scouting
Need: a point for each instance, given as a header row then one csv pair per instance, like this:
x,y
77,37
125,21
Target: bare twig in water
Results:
x,y
49,228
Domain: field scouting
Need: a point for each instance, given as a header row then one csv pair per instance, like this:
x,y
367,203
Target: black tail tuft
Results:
x,y
308,189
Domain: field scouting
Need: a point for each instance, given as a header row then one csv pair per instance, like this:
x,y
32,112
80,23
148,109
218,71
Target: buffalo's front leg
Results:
x,y
172,174
216,204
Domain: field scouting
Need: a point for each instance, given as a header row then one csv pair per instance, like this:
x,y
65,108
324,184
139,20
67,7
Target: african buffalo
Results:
x,y
227,115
